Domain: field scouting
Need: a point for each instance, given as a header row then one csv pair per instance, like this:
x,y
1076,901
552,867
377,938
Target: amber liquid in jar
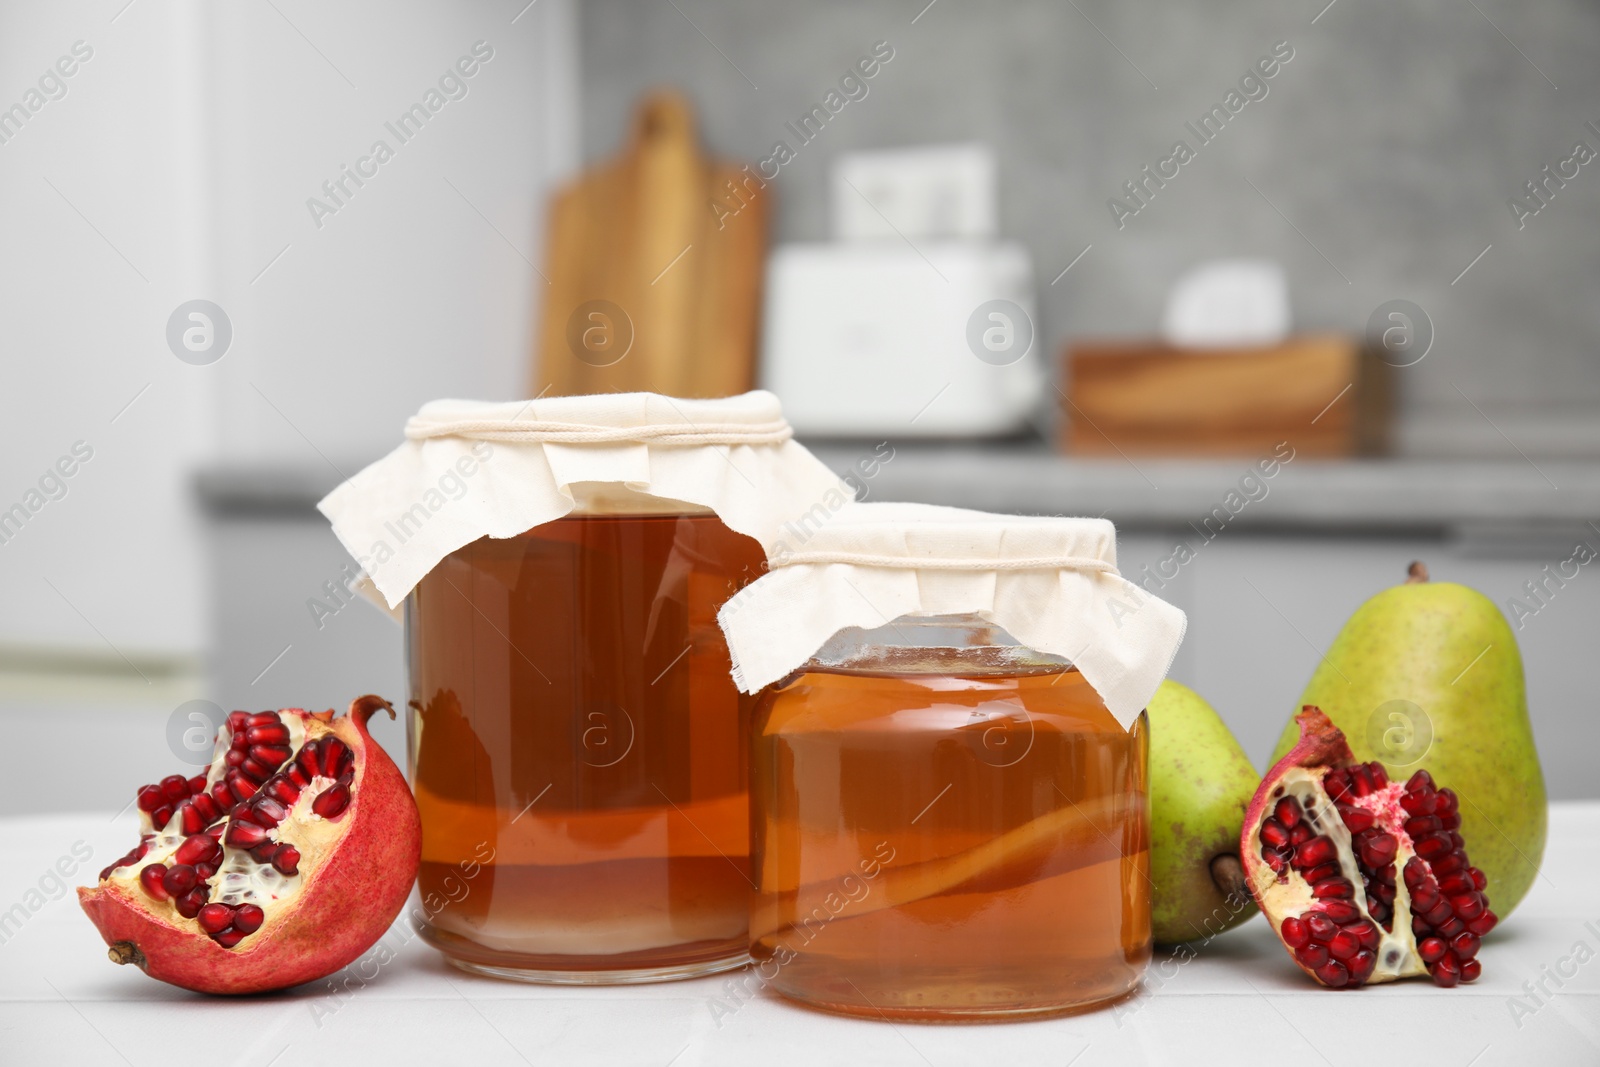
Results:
x,y
579,752
942,842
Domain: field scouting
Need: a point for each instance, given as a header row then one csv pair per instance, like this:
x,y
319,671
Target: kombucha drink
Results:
x,y
948,832
579,752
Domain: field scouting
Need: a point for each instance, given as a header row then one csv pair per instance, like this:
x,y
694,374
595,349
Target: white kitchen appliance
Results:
x,y
905,335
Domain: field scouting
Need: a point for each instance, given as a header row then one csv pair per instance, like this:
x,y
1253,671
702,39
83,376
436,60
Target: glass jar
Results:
x,y
578,750
946,824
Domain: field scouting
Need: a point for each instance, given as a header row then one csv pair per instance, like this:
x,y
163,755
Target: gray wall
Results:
x,y
1391,141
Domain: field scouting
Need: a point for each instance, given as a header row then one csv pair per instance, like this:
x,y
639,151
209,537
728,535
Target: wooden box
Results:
x,y
1325,394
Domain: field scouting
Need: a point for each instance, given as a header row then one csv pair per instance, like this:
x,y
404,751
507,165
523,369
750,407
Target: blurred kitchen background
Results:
x,y
979,245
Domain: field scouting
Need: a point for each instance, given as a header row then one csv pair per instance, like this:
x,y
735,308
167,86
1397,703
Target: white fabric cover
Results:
x,y
471,469
1052,583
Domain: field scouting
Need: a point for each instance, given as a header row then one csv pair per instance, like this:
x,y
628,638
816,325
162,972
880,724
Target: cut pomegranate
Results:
x,y
284,862
1363,879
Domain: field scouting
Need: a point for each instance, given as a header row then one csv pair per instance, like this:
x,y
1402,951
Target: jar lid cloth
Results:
x,y
1052,583
471,469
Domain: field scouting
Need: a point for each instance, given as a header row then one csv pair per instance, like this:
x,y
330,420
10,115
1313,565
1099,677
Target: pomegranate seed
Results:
x,y
1456,883
1321,927
248,918
268,812
222,796
1378,849
1313,955
179,879
228,938
160,817
150,879
1416,873
275,734
1294,932
1453,862
206,807
1322,873
190,903
214,831
1340,911
1360,965
1273,835
205,871
175,787
1360,780
1316,851
244,835
1450,927
1431,949
1467,906
255,770
281,789
1419,781
1333,975
1356,819
264,853
298,776
189,819
1471,970
1420,927
1337,783
263,718
332,801
1447,972
197,784
287,861
1420,803
195,849
1301,834
270,755
1483,923
310,758
1432,847
1440,912
1333,888
1449,822
214,918
337,758
1343,945
1365,933
1449,803
1418,825
151,797
1287,812
237,720
1378,776
235,757
242,787
1464,945
1276,861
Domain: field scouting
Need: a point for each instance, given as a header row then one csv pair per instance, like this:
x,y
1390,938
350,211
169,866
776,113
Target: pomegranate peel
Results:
x,y
283,863
1363,880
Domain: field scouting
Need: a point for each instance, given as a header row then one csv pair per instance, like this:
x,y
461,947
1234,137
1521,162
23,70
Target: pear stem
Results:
x,y
1228,874
1416,573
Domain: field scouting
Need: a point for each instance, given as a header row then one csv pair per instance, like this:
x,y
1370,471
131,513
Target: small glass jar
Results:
x,y
578,750
945,825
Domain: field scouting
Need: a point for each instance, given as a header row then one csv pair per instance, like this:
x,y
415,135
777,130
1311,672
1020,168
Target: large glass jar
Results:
x,y
578,750
946,824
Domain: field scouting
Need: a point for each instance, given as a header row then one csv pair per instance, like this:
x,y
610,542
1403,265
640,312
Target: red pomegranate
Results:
x,y
1363,879
284,862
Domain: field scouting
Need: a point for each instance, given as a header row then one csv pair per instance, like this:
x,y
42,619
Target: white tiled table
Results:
x,y
61,1001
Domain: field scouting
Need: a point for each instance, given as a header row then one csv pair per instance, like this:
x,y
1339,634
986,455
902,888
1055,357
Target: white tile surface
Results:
x,y
61,1002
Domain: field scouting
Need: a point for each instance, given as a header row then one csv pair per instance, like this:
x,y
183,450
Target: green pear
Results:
x,y
1427,675
1201,783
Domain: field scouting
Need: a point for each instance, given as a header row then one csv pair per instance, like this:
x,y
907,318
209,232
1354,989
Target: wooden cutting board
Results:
x,y
655,263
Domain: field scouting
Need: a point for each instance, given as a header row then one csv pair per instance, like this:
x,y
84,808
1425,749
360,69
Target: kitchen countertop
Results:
x,y
61,1001
1374,495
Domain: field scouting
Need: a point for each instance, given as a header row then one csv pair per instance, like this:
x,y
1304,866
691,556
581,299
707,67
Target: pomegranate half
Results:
x,y
1363,879
284,862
